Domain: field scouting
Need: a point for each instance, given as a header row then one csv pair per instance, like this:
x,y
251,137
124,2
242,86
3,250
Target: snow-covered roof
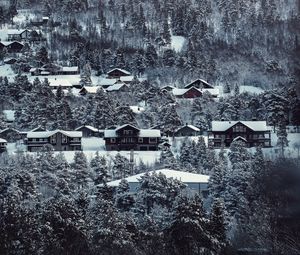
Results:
x,y
191,127
69,68
46,134
9,115
201,80
185,177
16,31
90,89
3,140
126,125
7,43
119,69
179,92
213,92
59,82
224,125
107,82
251,89
111,133
127,78
88,127
116,87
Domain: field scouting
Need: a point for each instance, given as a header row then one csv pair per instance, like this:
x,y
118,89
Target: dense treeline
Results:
x,y
246,42
37,105
49,206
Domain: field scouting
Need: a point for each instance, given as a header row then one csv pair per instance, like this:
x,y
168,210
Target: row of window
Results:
x,y
254,136
127,140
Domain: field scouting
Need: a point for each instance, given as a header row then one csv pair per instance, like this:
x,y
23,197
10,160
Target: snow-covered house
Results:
x,y
197,183
11,46
252,133
129,137
118,87
89,131
60,140
18,34
187,130
10,134
88,90
117,73
3,144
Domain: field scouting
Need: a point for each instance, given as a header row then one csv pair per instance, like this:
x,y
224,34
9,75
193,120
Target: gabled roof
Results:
x,y
88,127
189,126
16,31
240,138
116,87
185,177
7,43
70,68
119,69
225,125
9,128
180,92
39,128
90,89
3,140
126,125
112,133
198,80
46,134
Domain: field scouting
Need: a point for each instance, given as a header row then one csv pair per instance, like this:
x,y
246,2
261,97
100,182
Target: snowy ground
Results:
x,y
90,146
177,42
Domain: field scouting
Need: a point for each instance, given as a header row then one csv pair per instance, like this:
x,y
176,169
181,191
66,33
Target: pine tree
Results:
x,y
81,171
85,76
99,166
121,167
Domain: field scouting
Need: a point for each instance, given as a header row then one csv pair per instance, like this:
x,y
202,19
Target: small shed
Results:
x,y
89,131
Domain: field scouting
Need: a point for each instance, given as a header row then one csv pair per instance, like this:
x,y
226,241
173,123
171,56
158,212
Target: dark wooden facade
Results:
x,y
19,35
240,132
191,93
88,131
187,130
129,137
11,47
59,140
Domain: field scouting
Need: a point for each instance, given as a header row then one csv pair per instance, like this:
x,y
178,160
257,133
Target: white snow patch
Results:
x,y
177,42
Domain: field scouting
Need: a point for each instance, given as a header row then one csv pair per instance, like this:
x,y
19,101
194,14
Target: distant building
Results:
x,y
129,137
52,69
196,183
187,130
18,34
89,131
252,133
117,73
199,84
194,92
64,83
3,145
118,87
11,47
88,90
59,139
10,134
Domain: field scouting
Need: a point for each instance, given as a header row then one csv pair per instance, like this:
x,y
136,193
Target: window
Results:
x,y
141,140
128,132
64,138
152,140
113,140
